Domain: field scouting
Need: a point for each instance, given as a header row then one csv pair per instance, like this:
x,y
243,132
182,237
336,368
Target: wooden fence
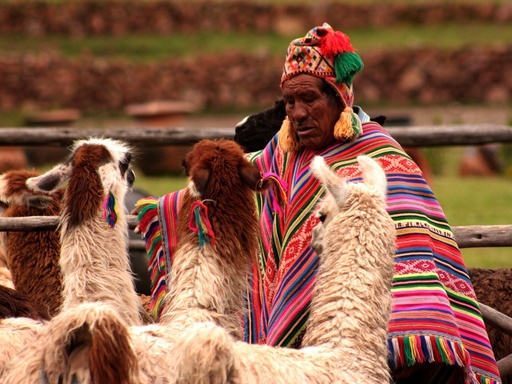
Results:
x,y
412,136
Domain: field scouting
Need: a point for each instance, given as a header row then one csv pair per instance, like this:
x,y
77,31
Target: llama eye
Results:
x,y
321,217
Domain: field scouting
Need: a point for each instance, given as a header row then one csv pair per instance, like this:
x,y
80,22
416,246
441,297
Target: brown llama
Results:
x,y
209,276
32,256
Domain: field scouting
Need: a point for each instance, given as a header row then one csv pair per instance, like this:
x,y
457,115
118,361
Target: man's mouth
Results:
x,y
306,131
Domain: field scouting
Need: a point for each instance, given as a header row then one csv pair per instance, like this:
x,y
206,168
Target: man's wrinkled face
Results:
x,y
312,113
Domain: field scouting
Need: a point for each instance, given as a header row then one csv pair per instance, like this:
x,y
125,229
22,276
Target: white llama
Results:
x,y
94,256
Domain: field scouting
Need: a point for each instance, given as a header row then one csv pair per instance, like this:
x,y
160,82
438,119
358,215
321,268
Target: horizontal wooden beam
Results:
x,y
413,136
472,236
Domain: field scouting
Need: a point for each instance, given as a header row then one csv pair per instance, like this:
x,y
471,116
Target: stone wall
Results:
x,y
96,17
237,80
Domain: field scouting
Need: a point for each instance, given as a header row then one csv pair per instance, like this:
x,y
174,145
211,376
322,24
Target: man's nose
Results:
x,y
299,113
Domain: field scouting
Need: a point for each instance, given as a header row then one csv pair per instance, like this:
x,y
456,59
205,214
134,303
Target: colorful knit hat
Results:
x,y
327,54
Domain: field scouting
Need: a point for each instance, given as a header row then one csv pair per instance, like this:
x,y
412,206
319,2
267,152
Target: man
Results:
x,y
436,332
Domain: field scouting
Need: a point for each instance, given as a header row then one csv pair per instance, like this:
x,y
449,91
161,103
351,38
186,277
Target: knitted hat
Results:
x,y
326,54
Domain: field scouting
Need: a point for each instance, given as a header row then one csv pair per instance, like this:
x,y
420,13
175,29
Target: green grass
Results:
x,y
159,186
477,201
148,48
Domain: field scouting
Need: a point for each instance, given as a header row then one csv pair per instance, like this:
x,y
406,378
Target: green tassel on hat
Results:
x,y
347,65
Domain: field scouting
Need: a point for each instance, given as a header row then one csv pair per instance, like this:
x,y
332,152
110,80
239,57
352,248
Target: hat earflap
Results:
x,y
287,138
348,127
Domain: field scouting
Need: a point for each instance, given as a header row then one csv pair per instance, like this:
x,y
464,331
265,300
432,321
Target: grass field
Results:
x,y
148,48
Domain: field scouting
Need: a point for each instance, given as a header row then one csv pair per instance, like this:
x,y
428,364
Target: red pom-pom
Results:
x,y
334,43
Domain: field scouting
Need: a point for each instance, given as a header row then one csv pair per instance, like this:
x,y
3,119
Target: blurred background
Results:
x,y
207,64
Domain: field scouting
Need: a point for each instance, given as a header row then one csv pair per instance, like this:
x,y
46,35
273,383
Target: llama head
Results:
x,y
14,191
256,130
96,169
339,190
226,160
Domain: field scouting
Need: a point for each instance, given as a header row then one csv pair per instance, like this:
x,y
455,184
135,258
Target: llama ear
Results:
x,y
334,184
200,178
251,176
39,202
373,174
51,180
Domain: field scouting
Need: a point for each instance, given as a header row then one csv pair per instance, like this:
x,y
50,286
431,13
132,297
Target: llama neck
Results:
x,y
352,300
210,280
95,265
203,288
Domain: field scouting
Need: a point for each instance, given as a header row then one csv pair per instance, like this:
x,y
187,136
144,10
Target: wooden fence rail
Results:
x,y
472,236
413,136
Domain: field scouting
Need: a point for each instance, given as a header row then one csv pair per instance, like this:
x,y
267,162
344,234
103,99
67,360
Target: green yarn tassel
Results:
x,y
356,125
346,65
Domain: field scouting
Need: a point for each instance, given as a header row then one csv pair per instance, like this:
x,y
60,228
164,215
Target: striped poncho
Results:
x,y
435,316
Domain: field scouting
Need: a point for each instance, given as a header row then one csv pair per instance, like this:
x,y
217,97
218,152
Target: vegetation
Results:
x,y
147,48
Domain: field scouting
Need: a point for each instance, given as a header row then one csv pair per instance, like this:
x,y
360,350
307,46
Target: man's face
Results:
x,y
312,113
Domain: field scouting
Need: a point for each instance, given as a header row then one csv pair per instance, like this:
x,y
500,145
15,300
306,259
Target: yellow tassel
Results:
x,y
348,127
286,137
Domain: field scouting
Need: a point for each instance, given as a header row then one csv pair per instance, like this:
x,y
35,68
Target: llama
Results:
x,y
5,273
207,280
94,258
93,230
18,335
15,304
32,256
209,277
346,333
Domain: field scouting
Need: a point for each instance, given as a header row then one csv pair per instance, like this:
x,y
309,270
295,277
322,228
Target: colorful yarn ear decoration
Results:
x,y
110,210
280,187
348,127
200,223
